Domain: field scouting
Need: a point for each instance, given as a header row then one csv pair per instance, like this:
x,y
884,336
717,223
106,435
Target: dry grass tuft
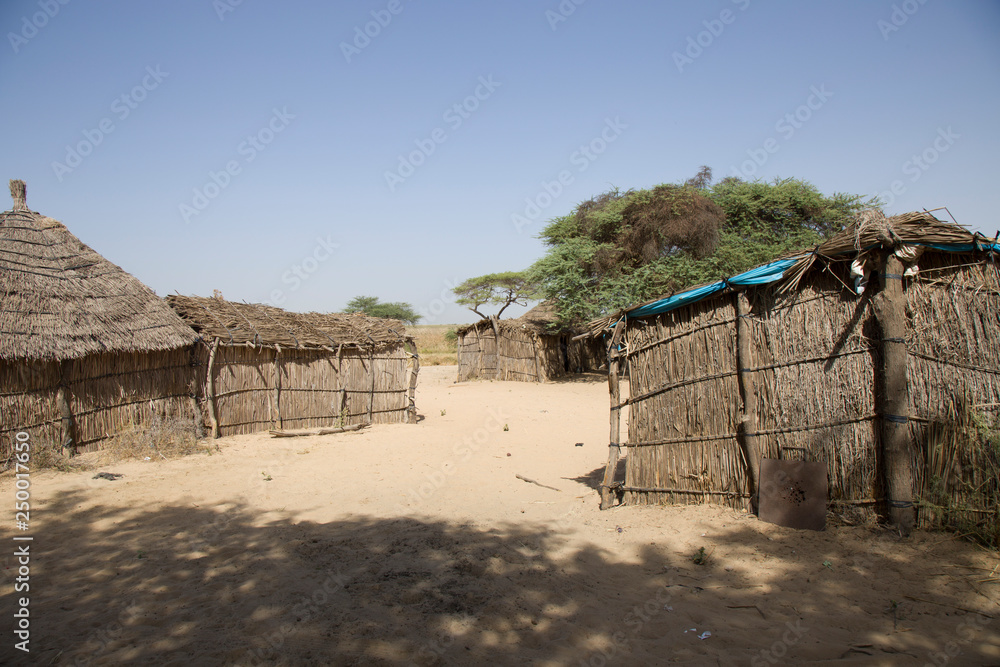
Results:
x,y
162,438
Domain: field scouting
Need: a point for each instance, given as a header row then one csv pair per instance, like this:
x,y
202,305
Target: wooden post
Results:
x,y
411,410
536,349
748,420
210,389
371,395
496,342
277,385
890,309
65,412
613,389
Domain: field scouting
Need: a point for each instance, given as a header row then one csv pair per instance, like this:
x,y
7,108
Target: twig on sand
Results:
x,y
953,606
747,606
275,433
531,481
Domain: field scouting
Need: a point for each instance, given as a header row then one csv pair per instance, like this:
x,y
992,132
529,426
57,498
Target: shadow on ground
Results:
x,y
195,585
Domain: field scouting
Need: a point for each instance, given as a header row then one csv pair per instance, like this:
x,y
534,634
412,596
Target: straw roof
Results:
x,y
542,319
59,299
870,231
261,325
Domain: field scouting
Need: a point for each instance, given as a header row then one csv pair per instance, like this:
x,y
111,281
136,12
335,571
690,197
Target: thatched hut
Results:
x,y
266,368
86,350
530,348
869,353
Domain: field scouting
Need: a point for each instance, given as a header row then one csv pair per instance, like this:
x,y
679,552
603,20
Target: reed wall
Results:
x,y
261,388
106,393
814,360
523,354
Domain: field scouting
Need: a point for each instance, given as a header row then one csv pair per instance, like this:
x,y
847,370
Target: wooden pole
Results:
x,y
890,309
613,389
496,340
536,347
411,410
371,394
748,420
65,412
277,385
210,389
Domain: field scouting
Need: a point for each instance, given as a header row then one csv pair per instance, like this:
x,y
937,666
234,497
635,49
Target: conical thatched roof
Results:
x,y
261,325
59,299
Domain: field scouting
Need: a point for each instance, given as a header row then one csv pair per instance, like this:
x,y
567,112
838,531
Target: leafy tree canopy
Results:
x,y
495,289
622,248
371,306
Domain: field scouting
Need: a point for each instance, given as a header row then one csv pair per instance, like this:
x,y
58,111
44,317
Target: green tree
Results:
x,y
622,248
495,289
371,306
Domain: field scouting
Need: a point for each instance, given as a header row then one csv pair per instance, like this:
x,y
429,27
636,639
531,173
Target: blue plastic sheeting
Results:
x,y
768,273
963,247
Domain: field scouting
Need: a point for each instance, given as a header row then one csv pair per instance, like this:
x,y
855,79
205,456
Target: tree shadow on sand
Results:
x,y
196,585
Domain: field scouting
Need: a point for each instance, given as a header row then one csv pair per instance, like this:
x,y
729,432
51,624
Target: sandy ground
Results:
x,y
417,544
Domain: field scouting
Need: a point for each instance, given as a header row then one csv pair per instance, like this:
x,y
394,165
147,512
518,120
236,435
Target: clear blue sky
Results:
x,y
118,112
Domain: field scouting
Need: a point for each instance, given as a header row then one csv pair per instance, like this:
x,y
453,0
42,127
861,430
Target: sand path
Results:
x,y
417,544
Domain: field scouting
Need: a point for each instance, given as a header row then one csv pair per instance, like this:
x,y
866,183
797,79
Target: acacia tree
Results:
x,y
495,289
622,248
371,306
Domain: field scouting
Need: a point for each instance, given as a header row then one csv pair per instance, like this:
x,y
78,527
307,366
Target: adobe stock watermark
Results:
x,y
223,7
121,108
363,35
581,158
777,651
247,151
463,452
30,26
437,306
697,44
562,12
303,610
786,127
454,116
920,163
900,14
301,271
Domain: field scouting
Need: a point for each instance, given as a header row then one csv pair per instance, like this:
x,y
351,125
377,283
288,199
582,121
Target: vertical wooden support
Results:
x,y
210,389
614,452
371,394
277,385
496,339
890,309
65,413
747,429
536,349
411,410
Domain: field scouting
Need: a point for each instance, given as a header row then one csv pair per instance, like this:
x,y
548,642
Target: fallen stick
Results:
x,y
953,606
531,481
322,431
747,606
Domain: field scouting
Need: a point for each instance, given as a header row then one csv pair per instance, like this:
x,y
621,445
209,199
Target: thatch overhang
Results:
x,y
260,325
541,320
870,232
61,300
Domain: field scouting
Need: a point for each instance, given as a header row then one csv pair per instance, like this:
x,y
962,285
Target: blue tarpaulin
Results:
x,y
768,273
